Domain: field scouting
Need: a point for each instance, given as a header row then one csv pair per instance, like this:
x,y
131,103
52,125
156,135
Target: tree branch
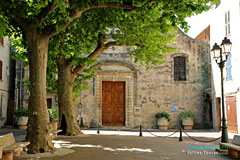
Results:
x,y
51,30
99,49
111,5
127,6
77,12
20,21
45,12
110,44
64,36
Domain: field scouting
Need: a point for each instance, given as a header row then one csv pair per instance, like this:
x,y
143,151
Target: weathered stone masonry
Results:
x,y
154,90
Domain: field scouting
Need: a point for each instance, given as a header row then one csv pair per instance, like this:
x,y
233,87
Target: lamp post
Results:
x,y
220,54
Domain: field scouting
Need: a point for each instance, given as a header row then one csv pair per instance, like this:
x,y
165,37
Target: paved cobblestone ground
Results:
x,y
125,147
112,147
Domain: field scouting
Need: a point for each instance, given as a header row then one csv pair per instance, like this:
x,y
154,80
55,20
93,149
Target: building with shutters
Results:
x,y
6,82
225,22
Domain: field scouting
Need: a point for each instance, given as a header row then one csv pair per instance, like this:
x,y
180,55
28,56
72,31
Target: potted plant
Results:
x,y
22,116
163,119
53,115
187,119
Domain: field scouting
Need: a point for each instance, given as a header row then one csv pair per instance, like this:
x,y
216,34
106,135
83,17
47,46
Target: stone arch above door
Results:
x,y
117,66
117,71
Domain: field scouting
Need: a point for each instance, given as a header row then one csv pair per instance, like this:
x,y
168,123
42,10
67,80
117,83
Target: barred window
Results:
x,y
179,69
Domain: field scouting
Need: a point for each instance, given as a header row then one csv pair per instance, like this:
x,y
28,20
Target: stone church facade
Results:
x,y
126,94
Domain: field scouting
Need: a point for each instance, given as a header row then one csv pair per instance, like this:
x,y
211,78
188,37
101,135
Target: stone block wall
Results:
x,y
154,90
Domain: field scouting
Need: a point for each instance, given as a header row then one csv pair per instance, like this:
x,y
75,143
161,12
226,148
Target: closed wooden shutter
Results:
x,y
229,68
1,67
231,107
2,42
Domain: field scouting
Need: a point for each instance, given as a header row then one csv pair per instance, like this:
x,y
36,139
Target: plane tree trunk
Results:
x,y
38,123
67,114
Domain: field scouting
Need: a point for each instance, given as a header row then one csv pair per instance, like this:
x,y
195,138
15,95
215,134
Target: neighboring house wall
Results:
x,y
21,87
225,21
4,79
204,35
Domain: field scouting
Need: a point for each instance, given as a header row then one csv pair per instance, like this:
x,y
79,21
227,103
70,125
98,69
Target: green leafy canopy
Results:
x,y
146,25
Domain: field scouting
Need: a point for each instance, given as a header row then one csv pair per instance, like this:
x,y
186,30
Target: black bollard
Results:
x,y
81,122
98,130
180,138
140,134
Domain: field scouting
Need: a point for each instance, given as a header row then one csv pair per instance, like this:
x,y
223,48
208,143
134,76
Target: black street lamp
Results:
x,y
220,54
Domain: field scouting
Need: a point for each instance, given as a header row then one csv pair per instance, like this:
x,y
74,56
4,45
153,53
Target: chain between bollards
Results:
x,y
98,130
140,134
180,137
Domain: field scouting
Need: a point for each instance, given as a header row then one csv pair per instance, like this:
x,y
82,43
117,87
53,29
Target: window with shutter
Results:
x,y
179,69
229,68
2,106
2,42
227,23
1,67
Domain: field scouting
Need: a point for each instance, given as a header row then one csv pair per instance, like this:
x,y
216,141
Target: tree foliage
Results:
x,y
77,29
145,24
141,23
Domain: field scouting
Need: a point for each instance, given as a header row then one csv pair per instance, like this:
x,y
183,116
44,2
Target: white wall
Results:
x,y
217,34
4,83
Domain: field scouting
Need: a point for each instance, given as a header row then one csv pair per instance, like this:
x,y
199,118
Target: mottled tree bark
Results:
x,y
67,114
38,122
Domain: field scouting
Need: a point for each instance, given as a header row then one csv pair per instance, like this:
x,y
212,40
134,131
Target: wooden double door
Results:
x,y
231,114
113,103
